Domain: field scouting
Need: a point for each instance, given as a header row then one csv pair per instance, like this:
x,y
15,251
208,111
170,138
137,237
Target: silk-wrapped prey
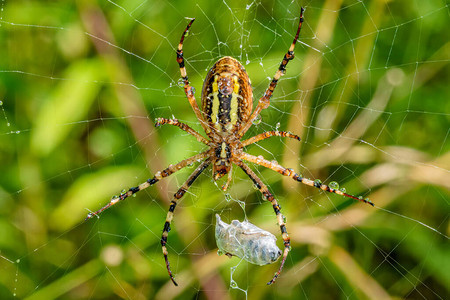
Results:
x,y
246,241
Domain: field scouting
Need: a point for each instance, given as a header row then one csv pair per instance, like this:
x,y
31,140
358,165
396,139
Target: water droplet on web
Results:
x,y
360,197
334,185
8,124
277,126
180,82
317,182
257,120
233,284
134,195
123,191
193,90
1,103
219,252
240,46
343,190
247,62
186,33
228,197
18,131
18,260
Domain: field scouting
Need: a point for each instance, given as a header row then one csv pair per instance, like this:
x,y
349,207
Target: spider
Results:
x,y
226,115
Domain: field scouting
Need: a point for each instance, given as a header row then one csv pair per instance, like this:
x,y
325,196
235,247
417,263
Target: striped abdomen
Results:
x,y
227,96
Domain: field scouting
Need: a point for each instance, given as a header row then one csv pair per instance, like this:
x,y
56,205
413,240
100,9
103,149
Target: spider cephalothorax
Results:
x,y
226,115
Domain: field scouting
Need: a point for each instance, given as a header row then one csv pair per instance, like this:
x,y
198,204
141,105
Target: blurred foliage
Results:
x,y
81,83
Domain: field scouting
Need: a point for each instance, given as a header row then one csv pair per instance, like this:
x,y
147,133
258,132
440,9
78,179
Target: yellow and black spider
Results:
x,y
226,115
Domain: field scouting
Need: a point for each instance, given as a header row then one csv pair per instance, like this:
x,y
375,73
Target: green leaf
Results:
x,y
69,103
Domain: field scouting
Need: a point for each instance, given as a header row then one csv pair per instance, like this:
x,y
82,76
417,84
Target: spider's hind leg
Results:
x,y
264,101
182,126
188,90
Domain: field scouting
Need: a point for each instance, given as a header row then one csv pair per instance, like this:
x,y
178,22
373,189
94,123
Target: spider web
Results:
x,y
81,85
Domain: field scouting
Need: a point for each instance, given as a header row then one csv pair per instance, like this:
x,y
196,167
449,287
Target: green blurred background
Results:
x,y
81,83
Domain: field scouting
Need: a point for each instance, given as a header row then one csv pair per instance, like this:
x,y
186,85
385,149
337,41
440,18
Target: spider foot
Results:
x,y
286,251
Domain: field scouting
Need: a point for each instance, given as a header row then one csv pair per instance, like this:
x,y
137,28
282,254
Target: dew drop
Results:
x,y
228,197
134,195
193,90
123,191
334,185
233,284
360,197
180,82
257,120
1,103
318,182
18,131
186,33
18,260
343,190
247,62
8,124
277,126
219,252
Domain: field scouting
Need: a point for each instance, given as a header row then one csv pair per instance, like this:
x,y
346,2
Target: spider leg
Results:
x,y
181,191
188,90
182,126
268,134
290,173
264,101
230,176
280,218
158,175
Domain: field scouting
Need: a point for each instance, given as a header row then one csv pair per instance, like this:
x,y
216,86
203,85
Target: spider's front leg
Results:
x,y
277,209
180,193
158,176
290,173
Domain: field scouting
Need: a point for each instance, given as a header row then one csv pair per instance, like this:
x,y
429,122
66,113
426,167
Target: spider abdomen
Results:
x,y
227,96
